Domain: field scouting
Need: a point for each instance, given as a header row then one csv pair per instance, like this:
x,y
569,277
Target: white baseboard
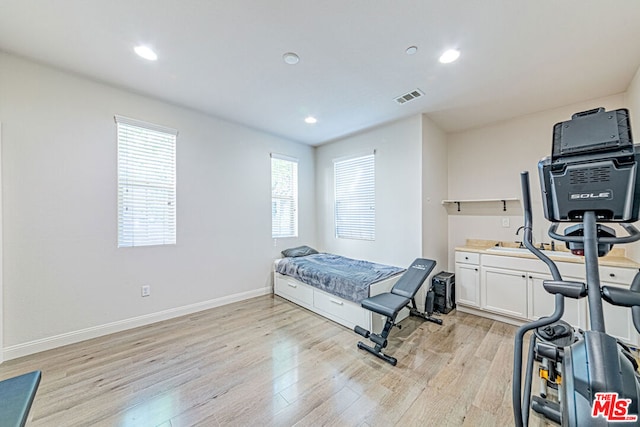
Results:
x,y
36,346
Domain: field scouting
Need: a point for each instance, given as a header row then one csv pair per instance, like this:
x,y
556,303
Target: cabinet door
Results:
x,y
467,285
542,303
618,321
504,292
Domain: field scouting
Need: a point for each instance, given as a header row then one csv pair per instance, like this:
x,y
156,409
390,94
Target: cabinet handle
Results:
x,y
466,257
612,275
292,285
475,269
336,301
524,277
530,277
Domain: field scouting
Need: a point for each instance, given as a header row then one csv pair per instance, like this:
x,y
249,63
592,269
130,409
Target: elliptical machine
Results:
x,y
592,177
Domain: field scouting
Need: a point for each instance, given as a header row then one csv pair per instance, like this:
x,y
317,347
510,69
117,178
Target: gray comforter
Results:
x,y
344,277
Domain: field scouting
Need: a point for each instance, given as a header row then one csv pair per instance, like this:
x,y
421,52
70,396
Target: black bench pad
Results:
x,y
386,304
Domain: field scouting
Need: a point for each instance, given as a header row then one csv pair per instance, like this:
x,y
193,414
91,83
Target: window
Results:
x,y
284,196
355,198
146,183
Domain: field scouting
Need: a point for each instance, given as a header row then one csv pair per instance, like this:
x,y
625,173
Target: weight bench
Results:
x,y
390,303
16,398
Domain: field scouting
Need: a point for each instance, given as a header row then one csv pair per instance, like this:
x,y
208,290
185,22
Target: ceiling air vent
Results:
x,y
409,96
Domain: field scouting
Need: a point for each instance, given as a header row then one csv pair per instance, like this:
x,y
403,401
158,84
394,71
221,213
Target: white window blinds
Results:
x,y
146,183
355,192
284,196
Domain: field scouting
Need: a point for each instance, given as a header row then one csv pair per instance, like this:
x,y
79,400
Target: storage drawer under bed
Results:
x,y
293,290
346,313
351,313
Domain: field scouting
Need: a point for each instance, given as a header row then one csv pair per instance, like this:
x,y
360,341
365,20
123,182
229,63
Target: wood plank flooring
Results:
x,y
266,361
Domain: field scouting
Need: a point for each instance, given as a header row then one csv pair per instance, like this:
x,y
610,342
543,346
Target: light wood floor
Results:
x,y
266,361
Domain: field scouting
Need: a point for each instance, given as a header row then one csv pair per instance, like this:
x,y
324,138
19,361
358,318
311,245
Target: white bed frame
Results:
x,y
342,311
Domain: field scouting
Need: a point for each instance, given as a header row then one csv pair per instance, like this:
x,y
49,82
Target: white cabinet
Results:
x,y
542,303
511,289
522,295
468,279
618,320
504,292
504,285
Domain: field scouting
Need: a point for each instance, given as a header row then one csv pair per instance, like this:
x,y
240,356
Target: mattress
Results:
x,y
346,278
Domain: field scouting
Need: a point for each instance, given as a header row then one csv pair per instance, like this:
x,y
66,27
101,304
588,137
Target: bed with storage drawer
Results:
x,y
333,286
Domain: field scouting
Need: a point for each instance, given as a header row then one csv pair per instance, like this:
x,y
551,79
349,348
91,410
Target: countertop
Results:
x,y
615,258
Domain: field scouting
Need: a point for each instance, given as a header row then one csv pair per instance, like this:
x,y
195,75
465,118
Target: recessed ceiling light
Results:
x,y
449,56
310,120
411,50
146,53
291,58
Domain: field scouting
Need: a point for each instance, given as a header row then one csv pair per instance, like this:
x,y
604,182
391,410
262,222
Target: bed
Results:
x,y
333,286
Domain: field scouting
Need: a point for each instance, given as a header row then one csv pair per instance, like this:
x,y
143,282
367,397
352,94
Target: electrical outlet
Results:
x,y
505,222
146,290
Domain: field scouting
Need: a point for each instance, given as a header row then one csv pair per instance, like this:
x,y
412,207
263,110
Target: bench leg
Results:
x,y
427,315
379,340
377,353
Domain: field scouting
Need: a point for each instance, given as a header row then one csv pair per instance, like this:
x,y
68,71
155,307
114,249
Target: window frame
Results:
x,y
355,212
289,196
146,183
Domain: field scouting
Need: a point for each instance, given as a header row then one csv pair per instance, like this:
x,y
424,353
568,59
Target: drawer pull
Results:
x,y
292,285
336,301
466,257
612,275
475,269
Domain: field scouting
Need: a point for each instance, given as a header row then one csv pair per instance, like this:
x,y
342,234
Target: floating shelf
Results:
x,y
503,201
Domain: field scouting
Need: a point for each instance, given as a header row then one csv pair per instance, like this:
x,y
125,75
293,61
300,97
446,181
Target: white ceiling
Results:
x,y
224,57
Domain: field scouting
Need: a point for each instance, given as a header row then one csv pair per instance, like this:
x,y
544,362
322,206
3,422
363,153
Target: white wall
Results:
x,y
64,278
486,163
411,181
398,193
633,101
434,190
